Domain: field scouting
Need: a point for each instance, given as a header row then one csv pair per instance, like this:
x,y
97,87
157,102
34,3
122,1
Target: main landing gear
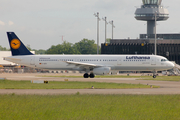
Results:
x,y
91,75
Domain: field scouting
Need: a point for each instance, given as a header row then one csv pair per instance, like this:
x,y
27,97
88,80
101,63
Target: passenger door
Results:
x,y
153,61
119,62
32,62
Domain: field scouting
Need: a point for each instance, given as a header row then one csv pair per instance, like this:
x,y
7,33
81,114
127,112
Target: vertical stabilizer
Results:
x,y
17,47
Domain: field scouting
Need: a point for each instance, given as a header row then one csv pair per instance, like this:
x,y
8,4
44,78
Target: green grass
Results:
x,y
8,84
89,107
158,78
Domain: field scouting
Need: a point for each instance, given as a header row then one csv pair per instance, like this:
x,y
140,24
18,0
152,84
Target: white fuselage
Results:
x,y
115,62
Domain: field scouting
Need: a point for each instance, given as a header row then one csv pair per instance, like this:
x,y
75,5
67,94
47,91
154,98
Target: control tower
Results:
x,y
147,13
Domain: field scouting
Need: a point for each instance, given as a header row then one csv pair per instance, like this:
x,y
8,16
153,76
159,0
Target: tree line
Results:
x,y
3,48
84,46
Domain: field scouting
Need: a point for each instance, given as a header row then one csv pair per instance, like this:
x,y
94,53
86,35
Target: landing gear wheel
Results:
x,y
86,75
154,76
91,75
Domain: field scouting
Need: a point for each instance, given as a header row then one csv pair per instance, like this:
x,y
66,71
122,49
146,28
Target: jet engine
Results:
x,y
102,70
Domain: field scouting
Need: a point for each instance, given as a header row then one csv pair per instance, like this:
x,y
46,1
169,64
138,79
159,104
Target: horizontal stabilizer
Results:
x,y
9,58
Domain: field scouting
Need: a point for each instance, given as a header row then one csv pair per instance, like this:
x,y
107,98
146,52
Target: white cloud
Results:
x,y
2,23
11,23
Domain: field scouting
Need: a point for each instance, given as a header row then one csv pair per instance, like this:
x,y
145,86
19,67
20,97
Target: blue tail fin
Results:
x,y
17,47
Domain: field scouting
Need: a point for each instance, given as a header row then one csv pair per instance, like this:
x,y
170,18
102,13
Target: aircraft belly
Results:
x,y
130,68
138,68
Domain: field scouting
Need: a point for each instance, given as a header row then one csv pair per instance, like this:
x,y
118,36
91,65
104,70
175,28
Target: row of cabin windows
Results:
x,y
162,60
92,60
48,60
72,60
135,60
56,60
98,60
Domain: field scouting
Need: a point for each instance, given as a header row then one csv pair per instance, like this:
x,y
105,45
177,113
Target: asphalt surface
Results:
x,y
166,87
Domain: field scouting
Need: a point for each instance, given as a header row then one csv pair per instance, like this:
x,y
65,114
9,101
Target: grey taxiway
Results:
x,y
166,87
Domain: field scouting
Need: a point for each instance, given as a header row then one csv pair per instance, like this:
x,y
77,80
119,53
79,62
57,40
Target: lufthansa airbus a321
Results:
x,y
91,64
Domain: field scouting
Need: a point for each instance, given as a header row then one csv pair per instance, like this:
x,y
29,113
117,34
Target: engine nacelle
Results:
x,y
102,70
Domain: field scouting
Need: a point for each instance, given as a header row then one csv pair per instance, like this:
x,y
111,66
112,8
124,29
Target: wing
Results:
x,y
83,65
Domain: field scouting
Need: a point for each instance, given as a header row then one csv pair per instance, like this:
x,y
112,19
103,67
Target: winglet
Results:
x,y
17,47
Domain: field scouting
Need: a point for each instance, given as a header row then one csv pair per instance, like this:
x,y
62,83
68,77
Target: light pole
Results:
x,y
111,22
98,19
105,28
155,48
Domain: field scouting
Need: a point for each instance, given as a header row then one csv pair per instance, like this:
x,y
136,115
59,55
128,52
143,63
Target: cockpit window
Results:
x,y
163,60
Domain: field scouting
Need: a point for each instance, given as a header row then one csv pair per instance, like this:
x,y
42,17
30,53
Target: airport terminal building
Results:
x,y
168,45
169,48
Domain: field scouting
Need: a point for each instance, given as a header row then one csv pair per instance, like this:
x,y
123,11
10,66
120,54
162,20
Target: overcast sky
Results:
x,y
42,23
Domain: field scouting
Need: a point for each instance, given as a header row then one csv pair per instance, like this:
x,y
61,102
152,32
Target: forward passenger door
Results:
x,y
153,61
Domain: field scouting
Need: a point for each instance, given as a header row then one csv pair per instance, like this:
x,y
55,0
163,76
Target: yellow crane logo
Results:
x,y
15,43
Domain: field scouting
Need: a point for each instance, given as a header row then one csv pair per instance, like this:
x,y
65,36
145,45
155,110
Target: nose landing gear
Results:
x,y
154,74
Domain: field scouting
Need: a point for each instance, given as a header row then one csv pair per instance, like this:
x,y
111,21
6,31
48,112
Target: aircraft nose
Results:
x,y
171,65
